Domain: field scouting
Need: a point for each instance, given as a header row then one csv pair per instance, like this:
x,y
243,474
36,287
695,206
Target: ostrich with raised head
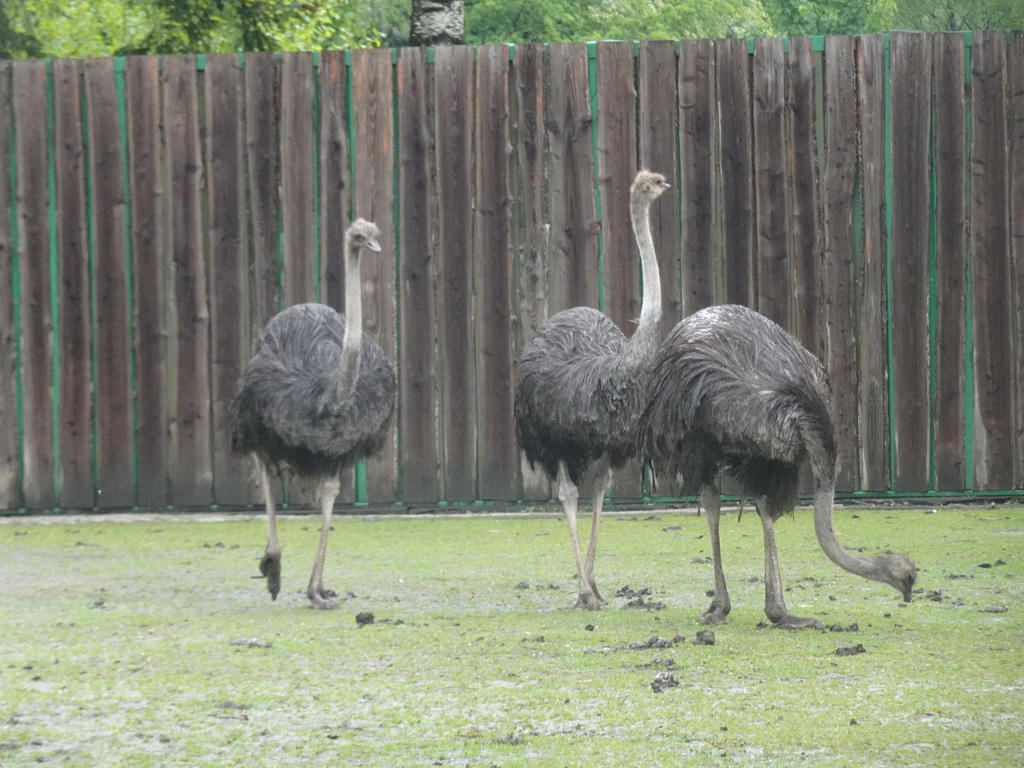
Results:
x,y
317,396
580,387
732,392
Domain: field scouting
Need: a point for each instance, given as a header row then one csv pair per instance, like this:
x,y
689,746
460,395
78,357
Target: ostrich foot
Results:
x,y
588,601
321,598
791,621
716,614
270,568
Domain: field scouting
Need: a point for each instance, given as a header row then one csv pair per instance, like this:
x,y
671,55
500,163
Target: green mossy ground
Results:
x,y
119,645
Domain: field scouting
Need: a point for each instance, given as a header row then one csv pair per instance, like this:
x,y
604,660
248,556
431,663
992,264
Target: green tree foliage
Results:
x,y
520,21
831,17
106,27
959,15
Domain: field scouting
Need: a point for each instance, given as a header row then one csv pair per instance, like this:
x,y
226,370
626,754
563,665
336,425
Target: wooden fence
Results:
x,y
867,193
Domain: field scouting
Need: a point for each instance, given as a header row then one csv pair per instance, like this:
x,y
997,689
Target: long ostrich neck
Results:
x,y
867,567
645,339
348,365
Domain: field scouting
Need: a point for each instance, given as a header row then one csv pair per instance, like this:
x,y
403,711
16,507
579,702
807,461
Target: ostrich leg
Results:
x,y
601,486
711,500
270,564
318,596
569,496
774,603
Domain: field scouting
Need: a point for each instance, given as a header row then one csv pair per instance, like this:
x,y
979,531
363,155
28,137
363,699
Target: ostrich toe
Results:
x,y
270,568
321,599
791,621
588,601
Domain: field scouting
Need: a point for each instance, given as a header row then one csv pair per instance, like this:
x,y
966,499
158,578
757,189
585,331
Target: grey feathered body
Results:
x,y
579,391
732,391
286,410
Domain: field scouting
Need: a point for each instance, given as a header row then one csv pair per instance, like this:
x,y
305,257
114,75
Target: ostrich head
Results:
x,y
900,573
363,234
647,186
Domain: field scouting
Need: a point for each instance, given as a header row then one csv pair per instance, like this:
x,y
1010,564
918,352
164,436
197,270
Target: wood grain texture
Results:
x,y
911,104
374,192
696,181
658,144
1015,106
737,170
531,232
994,452
418,318
453,88
573,270
772,248
298,212
871,312
37,320
496,445
115,445
950,110
839,183
616,168
149,277
230,328
802,153
10,448
190,466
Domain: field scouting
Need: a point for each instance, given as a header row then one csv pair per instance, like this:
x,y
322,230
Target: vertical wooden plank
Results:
x,y
115,459
616,168
262,118
496,444
993,350
145,178
871,312
910,228
840,181
658,145
73,316
335,197
297,173
804,219
416,190
10,464
951,242
531,236
1015,106
334,181
696,191
736,163
773,266
573,272
374,194
453,89
230,336
32,158
190,469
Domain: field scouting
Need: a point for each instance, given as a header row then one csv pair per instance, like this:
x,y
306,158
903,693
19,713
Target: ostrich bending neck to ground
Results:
x,y
732,391
580,388
317,396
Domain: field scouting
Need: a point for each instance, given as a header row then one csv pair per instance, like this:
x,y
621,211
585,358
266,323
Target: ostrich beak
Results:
x,y
373,245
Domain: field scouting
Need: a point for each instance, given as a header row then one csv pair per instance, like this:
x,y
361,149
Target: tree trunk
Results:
x,y
436,22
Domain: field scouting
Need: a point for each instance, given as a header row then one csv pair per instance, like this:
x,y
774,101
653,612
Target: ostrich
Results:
x,y
731,391
317,396
580,388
